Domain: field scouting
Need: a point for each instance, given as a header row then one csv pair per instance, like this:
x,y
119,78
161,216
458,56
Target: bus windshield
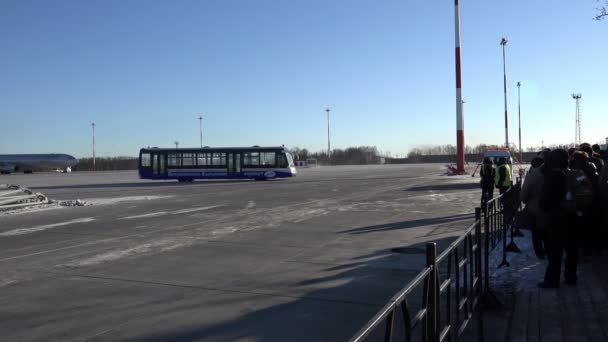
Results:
x,y
289,159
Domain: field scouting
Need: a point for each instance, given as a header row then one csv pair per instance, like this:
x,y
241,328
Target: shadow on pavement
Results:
x,y
326,313
439,187
410,224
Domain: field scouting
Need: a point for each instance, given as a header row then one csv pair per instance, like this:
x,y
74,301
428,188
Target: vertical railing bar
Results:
x,y
470,272
465,275
431,261
486,240
407,320
388,332
479,287
448,307
457,285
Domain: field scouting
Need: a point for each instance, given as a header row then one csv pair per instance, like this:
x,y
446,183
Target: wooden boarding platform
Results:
x,y
570,313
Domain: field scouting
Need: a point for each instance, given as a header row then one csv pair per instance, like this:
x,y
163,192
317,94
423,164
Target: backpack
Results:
x,y
579,193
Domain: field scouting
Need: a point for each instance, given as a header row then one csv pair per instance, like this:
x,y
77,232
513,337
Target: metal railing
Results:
x,y
451,286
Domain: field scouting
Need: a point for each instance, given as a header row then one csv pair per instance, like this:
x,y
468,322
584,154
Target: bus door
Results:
x,y
158,164
234,163
162,161
155,163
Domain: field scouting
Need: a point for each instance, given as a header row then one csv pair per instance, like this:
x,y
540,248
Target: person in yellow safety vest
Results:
x,y
502,179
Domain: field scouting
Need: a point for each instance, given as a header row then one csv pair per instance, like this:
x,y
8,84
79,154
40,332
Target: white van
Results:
x,y
496,154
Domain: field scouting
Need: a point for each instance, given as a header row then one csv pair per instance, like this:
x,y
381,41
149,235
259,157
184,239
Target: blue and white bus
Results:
x,y
188,164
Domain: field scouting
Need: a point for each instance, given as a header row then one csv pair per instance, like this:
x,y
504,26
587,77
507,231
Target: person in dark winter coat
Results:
x,y
603,203
589,220
599,164
531,195
561,237
487,175
599,153
582,161
571,151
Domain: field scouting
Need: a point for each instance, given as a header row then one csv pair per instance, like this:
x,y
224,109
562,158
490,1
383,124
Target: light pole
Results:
x,y
328,141
577,135
93,126
519,117
176,144
200,126
503,42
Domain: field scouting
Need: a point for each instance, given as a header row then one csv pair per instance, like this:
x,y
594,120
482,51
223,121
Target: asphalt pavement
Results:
x,y
303,259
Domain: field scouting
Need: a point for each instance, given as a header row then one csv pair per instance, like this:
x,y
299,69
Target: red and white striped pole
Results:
x,y
459,117
503,42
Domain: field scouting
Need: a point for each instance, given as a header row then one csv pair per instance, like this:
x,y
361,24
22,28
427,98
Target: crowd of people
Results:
x,y
566,205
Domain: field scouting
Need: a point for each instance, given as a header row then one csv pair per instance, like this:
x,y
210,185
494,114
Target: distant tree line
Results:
x,y
447,153
349,156
440,150
107,164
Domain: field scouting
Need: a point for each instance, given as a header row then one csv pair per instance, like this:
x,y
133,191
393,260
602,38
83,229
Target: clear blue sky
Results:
x,y
262,72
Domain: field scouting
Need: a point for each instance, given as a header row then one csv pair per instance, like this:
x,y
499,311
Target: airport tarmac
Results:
x,y
302,259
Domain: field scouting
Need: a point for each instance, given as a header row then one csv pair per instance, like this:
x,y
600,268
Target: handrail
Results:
x,y
457,241
468,272
395,300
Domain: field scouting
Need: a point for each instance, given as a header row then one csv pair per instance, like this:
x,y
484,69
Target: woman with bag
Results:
x,y
531,194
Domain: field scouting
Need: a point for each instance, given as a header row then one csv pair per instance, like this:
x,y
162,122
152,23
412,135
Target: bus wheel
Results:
x,y
181,180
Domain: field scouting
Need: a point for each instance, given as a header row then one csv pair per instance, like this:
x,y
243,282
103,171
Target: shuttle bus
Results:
x,y
188,164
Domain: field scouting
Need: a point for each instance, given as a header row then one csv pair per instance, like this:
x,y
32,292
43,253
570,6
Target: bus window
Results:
x,y
173,159
251,159
145,160
203,159
267,159
255,158
188,159
218,159
281,160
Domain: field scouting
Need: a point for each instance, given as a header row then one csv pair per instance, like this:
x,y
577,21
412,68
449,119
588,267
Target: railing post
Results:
x,y
478,273
503,227
511,210
517,205
486,250
432,318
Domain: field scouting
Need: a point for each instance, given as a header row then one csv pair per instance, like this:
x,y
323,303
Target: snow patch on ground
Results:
x,y
32,209
223,231
116,200
156,214
29,230
177,212
192,210
160,246
8,281
525,270
53,204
